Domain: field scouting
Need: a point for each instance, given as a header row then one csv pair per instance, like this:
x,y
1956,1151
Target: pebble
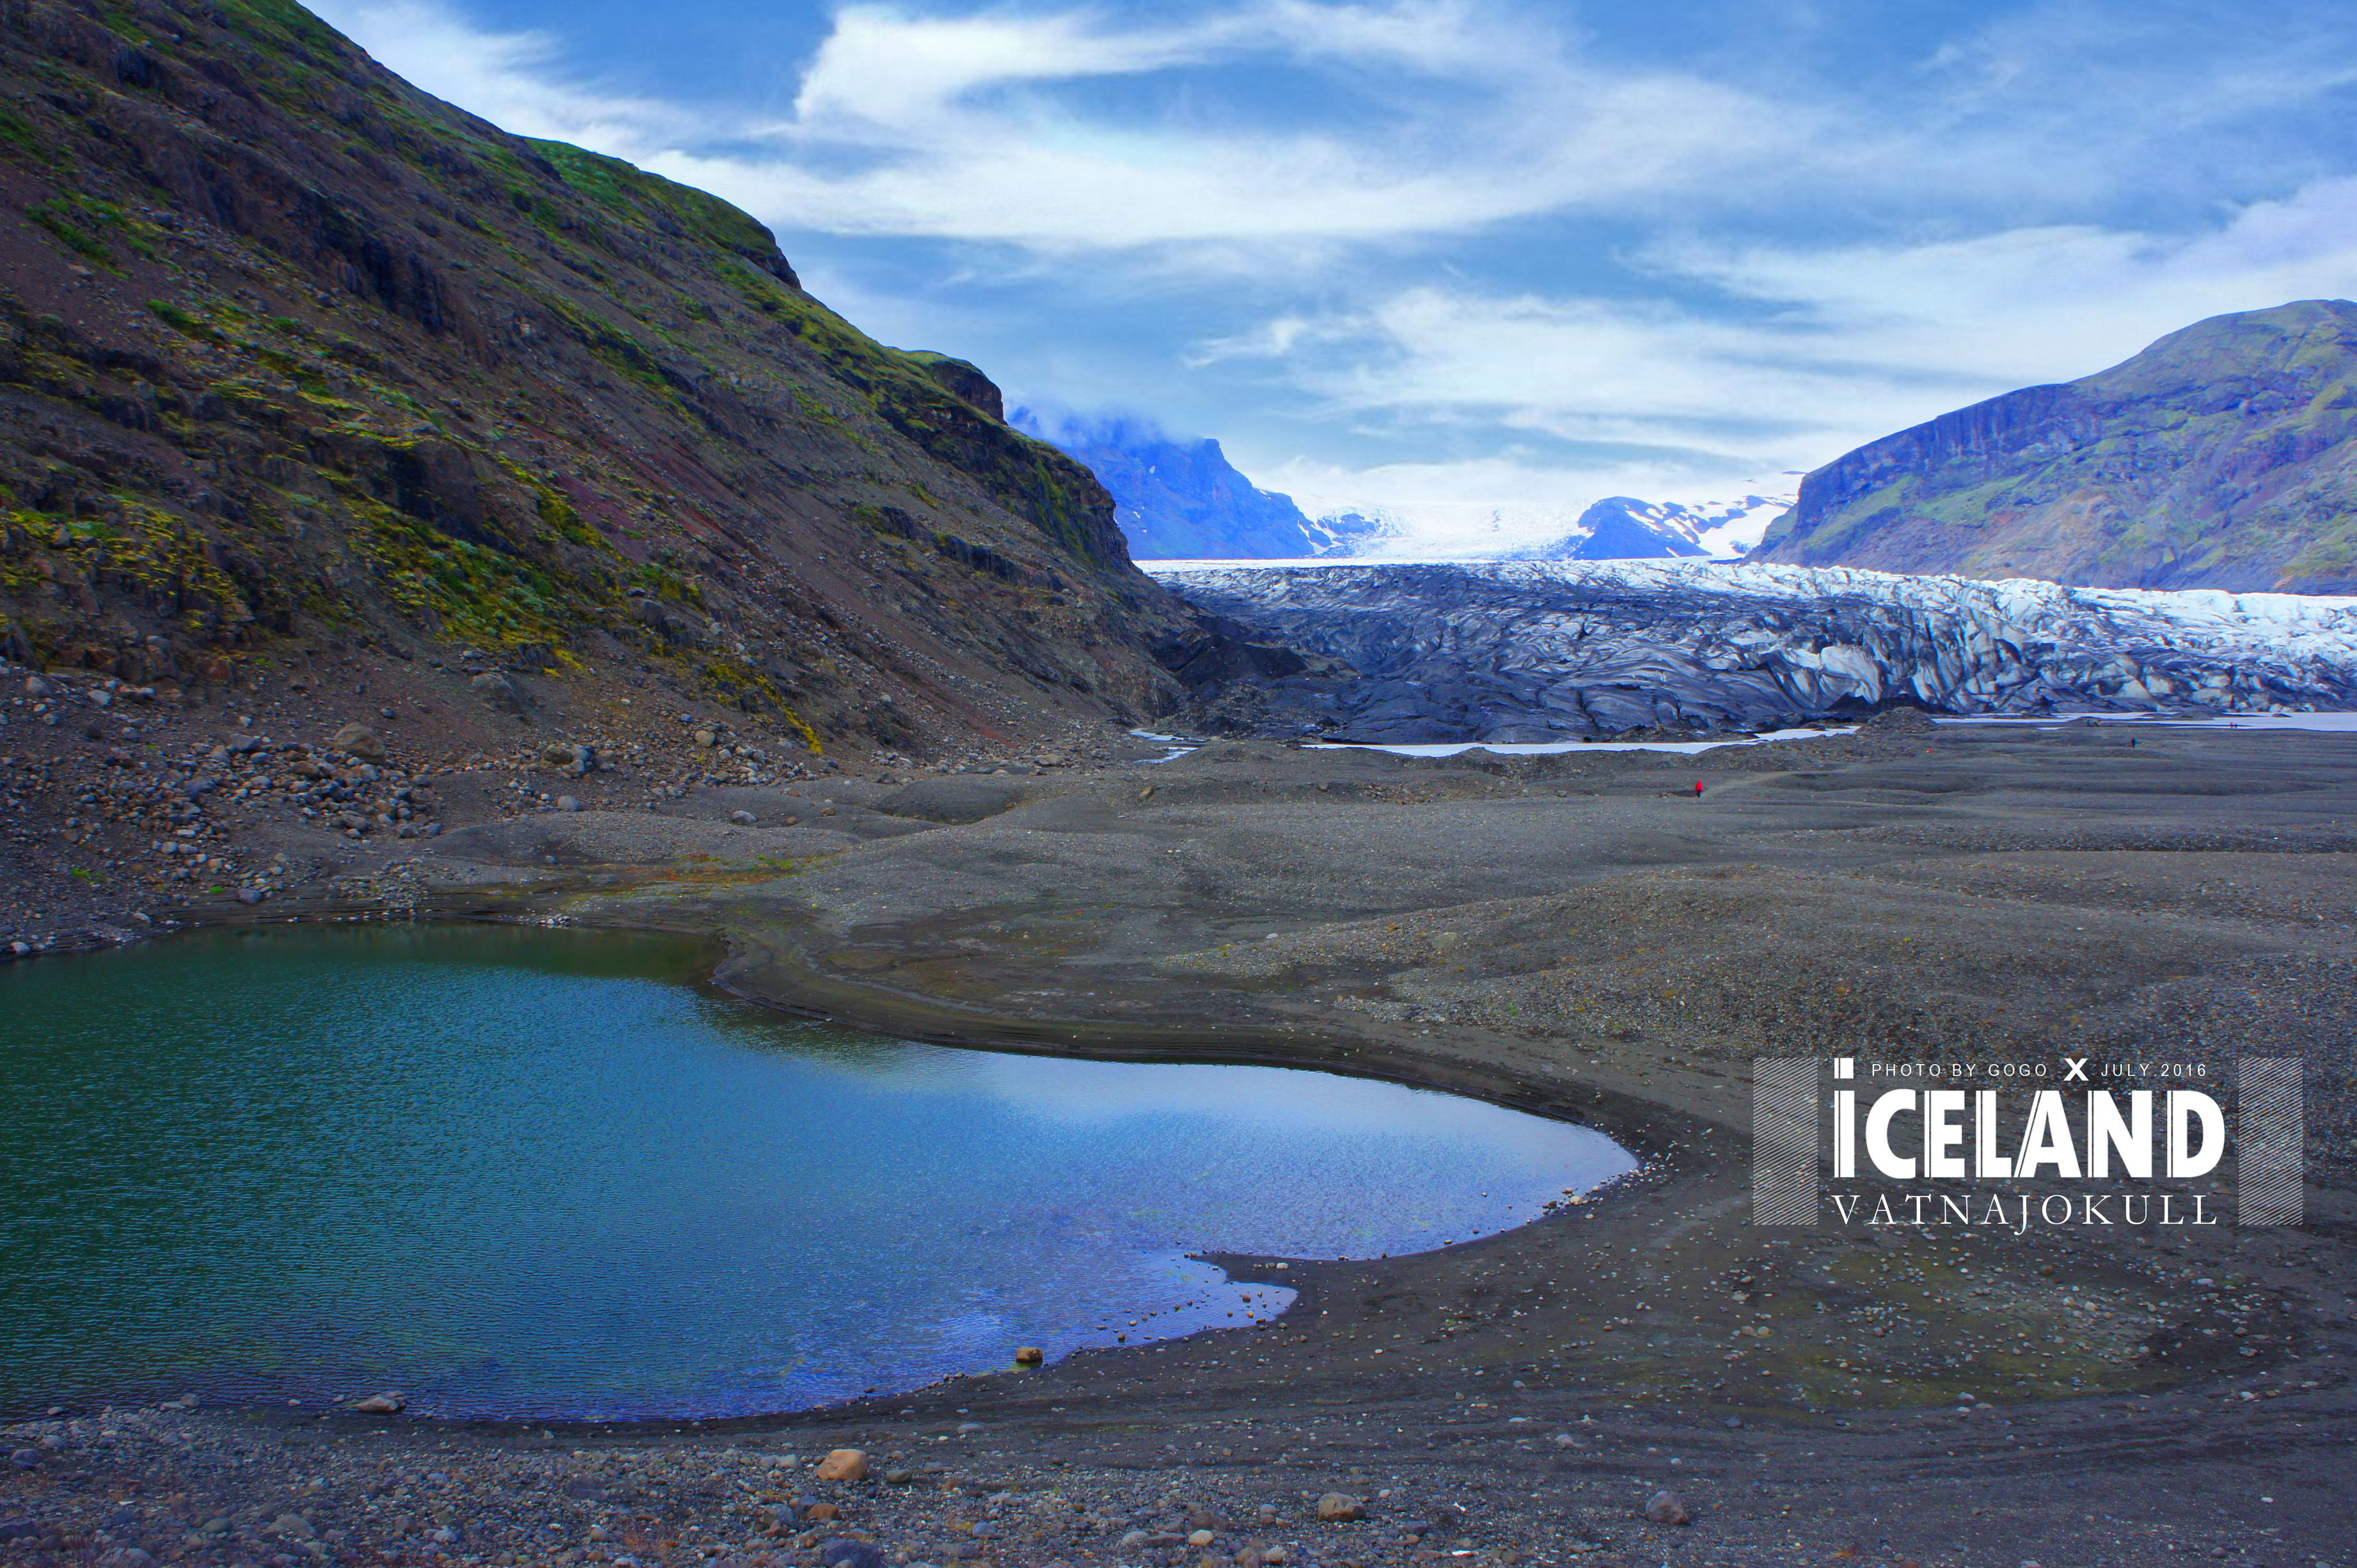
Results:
x,y
1665,1507
1335,1507
26,1458
742,819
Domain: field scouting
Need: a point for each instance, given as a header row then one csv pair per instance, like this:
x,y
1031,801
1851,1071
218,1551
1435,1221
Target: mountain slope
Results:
x,y
2223,456
296,356
1181,499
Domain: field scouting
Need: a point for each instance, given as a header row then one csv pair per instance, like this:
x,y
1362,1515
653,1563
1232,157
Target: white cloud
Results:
x,y
1797,261
515,80
953,127
1859,341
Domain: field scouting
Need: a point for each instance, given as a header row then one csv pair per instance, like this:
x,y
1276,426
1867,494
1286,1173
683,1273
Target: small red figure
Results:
x,y
1697,788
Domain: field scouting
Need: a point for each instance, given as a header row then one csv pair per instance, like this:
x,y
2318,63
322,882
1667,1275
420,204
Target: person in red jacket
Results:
x,y
1697,788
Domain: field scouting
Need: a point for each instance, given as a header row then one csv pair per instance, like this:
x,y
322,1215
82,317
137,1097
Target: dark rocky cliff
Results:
x,y
2223,456
293,356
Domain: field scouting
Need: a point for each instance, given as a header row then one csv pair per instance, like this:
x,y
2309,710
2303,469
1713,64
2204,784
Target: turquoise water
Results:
x,y
521,1171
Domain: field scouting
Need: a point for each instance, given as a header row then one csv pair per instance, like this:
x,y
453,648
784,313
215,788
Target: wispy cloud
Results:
x,y
518,80
1467,246
1856,341
1448,117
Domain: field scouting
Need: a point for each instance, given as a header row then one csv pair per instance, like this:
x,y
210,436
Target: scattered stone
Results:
x,y
1665,1507
742,819
1029,1356
295,1527
26,1458
567,803
843,1465
380,1404
358,740
1334,1508
822,1513
843,1552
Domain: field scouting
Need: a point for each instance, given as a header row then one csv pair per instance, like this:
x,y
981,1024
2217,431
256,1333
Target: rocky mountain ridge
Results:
x,y
2224,455
1178,500
296,362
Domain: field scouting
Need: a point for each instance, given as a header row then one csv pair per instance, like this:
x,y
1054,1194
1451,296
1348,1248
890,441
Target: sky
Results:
x,y
1435,255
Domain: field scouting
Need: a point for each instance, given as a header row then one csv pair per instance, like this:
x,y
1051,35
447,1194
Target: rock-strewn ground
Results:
x,y
1579,935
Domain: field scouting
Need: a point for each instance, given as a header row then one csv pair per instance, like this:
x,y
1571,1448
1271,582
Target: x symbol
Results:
x,y
2078,1066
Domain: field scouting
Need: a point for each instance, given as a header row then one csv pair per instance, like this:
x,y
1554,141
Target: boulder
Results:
x,y
1334,1508
1665,1507
1029,1356
497,692
358,740
843,1465
844,1552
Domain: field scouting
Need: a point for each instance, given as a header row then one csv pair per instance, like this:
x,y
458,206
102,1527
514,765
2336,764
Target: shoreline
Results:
x,y
1304,939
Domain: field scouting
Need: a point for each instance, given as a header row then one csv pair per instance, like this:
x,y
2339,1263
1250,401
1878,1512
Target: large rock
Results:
x,y
358,740
499,694
1335,1507
843,1465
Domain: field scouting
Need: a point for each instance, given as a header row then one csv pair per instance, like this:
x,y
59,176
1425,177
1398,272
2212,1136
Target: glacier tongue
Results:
x,y
1537,650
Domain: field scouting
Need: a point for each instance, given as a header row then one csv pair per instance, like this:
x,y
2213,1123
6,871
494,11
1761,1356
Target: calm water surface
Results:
x,y
528,1172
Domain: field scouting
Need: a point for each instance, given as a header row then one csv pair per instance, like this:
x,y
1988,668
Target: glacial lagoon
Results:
x,y
521,1172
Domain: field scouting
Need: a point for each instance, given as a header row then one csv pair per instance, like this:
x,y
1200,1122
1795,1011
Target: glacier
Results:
x,y
1540,650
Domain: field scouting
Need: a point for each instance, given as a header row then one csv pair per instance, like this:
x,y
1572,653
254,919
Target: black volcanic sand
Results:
x,y
1581,936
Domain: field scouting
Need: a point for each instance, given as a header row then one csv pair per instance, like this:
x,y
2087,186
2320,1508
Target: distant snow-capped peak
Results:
x,y
1616,527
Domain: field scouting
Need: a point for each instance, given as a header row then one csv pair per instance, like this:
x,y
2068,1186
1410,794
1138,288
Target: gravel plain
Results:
x,y
1581,936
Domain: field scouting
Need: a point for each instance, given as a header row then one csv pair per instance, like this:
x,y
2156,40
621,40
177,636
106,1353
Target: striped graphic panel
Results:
x,y
1785,1140
2270,1157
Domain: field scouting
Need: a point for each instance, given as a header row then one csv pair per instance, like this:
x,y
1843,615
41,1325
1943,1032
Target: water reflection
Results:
x,y
523,1171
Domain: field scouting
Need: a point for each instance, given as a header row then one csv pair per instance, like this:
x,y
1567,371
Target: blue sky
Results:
x,y
1456,254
